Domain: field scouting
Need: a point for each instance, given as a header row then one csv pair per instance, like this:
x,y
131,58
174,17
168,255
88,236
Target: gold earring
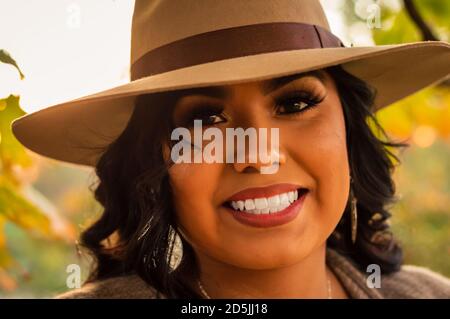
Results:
x,y
353,212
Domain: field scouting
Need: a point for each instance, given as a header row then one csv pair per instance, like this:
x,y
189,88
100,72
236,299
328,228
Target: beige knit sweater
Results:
x,y
409,282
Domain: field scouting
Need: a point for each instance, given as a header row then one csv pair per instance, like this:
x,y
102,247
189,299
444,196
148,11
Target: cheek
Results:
x,y
327,159
322,155
193,187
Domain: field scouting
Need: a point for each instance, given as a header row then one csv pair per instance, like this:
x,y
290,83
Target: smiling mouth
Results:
x,y
259,205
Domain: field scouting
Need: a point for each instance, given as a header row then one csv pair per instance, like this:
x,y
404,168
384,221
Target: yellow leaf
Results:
x,y
15,208
7,283
11,151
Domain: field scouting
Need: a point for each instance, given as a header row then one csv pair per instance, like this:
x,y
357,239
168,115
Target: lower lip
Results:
x,y
269,220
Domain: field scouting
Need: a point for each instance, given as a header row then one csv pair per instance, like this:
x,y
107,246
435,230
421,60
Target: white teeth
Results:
x,y
274,209
284,199
291,197
249,204
264,205
261,203
274,201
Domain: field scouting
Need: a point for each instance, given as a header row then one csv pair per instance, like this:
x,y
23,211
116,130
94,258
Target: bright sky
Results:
x,y
71,48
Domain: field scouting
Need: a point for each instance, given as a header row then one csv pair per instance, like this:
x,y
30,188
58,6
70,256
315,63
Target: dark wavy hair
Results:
x,y
137,233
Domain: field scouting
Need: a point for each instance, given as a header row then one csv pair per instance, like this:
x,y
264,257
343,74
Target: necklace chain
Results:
x,y
207,296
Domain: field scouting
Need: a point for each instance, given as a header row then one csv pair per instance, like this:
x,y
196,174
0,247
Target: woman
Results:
x,y
315,226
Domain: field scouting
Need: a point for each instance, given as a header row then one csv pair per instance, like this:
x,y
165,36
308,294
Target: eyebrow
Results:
x,y
223,92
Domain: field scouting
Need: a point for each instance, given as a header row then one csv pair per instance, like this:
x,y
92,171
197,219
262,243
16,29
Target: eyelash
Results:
x,y
201,112
311,101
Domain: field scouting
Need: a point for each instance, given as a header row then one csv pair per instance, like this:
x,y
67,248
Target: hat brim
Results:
x,y
77,131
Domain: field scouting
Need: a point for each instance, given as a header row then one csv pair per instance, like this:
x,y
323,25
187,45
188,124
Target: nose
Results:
x,y
275,159
259,152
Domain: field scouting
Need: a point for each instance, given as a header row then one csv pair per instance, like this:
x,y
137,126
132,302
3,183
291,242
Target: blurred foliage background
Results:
x,y
45,204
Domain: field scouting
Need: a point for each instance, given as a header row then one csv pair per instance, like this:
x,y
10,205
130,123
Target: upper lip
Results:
x,y
267,191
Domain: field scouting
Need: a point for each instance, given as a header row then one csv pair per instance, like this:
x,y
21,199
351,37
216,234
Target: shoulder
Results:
x,y
121,287
408,282
415,282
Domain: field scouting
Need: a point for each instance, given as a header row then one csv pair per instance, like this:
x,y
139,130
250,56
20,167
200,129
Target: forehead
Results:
x,y
267,86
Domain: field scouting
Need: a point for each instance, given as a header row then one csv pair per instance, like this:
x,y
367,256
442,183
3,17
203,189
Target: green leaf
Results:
x,y
6,58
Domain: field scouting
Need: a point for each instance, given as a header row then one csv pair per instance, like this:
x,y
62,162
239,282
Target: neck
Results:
x,y
305,279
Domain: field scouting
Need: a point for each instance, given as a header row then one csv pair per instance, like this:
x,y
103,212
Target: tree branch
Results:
x,y
425,30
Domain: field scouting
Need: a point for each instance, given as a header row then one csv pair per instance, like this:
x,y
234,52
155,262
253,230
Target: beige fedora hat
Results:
x,y
179,44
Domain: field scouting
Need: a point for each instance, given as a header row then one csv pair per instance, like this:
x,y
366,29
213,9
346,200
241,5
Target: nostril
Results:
x,y
250,169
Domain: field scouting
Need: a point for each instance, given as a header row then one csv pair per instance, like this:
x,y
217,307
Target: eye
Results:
x,y
297,101
213,119
209,115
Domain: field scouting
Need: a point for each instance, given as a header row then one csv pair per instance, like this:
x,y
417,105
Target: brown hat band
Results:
x,y
231,43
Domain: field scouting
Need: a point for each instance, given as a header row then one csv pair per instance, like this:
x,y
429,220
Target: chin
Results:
x,y
265,259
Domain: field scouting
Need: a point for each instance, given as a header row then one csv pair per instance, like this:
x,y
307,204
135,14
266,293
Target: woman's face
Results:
x,y
313,163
